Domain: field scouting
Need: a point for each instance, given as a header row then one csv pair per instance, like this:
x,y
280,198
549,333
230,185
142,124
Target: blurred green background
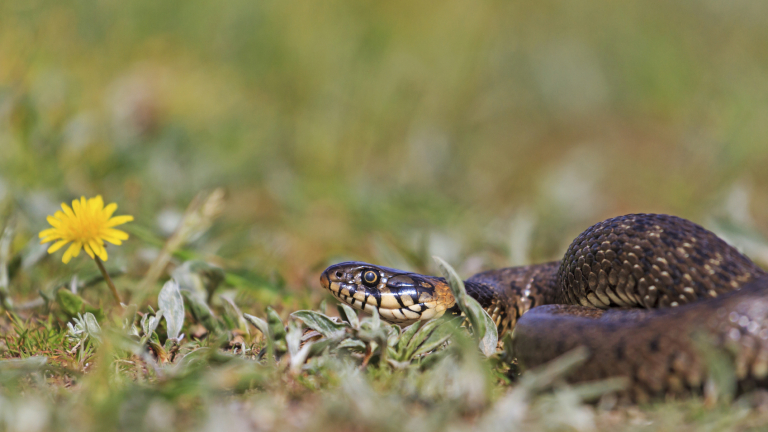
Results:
x,y
487,132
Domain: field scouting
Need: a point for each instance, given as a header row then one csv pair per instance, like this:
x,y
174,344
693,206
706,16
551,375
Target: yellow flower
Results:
x,y
86,225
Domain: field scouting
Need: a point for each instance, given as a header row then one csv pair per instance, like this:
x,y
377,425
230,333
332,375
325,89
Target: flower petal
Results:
x,y
56,246
109,210
114,241
50,239
95,247
77,207
68,210
87,249
116,233
48,232
118,220
97,202
72,252
56,223
99,250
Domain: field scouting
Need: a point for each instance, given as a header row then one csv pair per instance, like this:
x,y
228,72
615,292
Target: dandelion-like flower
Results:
x,y
87,224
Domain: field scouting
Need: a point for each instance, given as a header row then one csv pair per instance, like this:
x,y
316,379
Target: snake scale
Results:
x,y
646,294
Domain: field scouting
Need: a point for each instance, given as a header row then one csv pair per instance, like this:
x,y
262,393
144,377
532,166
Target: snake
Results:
x,y
653,298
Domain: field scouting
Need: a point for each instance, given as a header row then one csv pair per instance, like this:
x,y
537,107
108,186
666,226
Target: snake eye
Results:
x,y
370,278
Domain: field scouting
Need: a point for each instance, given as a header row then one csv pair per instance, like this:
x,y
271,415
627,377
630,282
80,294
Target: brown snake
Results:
x,y
644,293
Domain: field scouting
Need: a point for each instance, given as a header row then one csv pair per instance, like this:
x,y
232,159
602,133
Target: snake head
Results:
x,y
400,297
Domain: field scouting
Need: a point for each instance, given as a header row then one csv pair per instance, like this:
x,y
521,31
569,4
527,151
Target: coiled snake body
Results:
x,y
646,294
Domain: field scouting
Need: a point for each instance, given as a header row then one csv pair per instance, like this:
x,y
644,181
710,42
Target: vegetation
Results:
x,y
255,143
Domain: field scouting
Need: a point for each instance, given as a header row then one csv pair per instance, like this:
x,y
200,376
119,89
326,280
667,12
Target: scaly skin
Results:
x,y
644,293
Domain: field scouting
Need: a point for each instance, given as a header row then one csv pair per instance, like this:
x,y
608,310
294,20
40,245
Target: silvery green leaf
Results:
x,y
92,326
407,334
151,323
29,363
298,359
200,310
483,326
419,337
235,313
293,338
134,331
348,314
352,344
172,304
321,323
258,323
490,339
393,335
145,323
298,353
398,364
319,347
371,323
77,331
70,302
264,328
370,335
276,326
72,330
436,338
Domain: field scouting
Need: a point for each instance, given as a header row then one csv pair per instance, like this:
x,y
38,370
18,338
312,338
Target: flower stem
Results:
x,y
108,280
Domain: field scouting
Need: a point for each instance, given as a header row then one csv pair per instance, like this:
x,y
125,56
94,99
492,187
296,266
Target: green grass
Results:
x,y
488,133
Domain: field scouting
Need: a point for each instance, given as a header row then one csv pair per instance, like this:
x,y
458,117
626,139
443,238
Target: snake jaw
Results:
x,y
400,297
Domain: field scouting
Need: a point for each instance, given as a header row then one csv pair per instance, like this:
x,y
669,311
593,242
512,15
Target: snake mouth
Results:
x,y
399,297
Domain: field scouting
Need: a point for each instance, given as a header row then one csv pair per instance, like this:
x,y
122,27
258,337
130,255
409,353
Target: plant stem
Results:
x,y
108,280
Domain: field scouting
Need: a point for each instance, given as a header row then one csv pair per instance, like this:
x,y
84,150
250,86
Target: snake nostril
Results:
x,y
339,274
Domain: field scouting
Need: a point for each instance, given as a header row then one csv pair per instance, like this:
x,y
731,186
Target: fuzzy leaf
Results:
x,y
171,303
436,338
321,323
92,326
420,337
483,326
258,323
393,335
293,338
276,326
149,322
352,344
201,311
371,323
234,313
70,302
348,314
407,335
